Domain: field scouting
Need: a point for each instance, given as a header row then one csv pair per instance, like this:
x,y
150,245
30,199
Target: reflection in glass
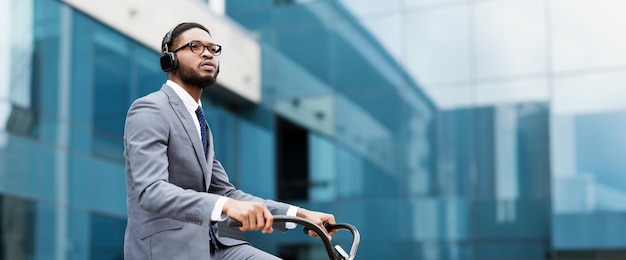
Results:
x,y
111,90
17,229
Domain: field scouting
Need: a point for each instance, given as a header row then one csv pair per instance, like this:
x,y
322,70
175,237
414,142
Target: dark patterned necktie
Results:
x,y
202,122
203,128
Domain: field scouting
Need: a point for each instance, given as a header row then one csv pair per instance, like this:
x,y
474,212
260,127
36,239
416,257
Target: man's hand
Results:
x,y
252,215
318,218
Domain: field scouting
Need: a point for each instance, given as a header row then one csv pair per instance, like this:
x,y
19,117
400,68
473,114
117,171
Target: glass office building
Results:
x,y
450,129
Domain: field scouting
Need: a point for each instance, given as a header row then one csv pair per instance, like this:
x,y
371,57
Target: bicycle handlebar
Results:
x,y
308,225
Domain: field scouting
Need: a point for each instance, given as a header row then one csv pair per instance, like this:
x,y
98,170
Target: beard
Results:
x,y
191,77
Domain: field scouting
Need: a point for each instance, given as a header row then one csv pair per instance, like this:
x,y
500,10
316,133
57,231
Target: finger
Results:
x,y
259,219
269,221
330,219
253,223
245,225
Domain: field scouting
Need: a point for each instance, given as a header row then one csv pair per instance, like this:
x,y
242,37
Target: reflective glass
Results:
x,y
107,237
287,79
589,93
17,170
292,42
432,3
439,41
79,220
256,158
587,34
149,76
588,177
369,8
451,97
511,91
18,230
223,126
322,174
18,86
387,29
5,44
111,95
358,63
510,38
109,193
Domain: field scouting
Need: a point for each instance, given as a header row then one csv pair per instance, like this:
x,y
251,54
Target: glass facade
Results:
x,y
461,130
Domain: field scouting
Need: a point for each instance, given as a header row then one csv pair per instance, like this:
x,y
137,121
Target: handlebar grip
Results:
x,y
327,226
231,222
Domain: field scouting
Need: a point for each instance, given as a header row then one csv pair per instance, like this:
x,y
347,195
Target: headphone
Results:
x,y
169,61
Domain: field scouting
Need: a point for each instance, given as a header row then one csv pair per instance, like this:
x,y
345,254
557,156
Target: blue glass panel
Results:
x,y
287,78
358,62
80,181
47,173
322,173
46,65
109,195
78,233
46,220
600,230
520,219
83,69
236,6
317,13
434,219
150,77
248,15
306,46
17,170
497,250
600,148
107,237
112,82
256,162
223,127
350,183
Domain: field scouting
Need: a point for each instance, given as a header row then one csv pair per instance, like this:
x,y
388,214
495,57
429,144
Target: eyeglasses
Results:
x,y
198,48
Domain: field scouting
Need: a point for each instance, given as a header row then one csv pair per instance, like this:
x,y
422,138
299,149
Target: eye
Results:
x,y
196,46
215,48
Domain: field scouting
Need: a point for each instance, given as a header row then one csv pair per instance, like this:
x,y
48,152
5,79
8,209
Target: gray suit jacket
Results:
x,y
166,174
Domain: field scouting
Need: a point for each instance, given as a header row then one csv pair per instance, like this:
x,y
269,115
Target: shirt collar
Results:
x,y
189,102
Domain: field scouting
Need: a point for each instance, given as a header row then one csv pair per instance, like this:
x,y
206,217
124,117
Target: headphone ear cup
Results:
x,y
169,61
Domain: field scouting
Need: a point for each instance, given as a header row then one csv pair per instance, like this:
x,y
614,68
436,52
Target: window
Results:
x,y
292,153
16,229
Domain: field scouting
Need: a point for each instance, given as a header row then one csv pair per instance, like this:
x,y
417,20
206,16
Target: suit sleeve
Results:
x,y
220,184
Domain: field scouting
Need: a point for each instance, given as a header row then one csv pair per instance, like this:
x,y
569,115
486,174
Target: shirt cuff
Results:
x,y
216,214
292,211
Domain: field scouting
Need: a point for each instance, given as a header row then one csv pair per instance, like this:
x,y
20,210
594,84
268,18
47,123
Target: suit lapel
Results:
x,y
188,124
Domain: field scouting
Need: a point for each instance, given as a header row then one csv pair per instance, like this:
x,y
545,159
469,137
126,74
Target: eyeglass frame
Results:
x,y
204,47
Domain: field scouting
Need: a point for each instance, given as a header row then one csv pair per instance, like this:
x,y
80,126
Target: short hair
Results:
x,y
177,31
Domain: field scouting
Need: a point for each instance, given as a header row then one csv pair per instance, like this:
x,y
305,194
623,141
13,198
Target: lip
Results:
x,y
207,63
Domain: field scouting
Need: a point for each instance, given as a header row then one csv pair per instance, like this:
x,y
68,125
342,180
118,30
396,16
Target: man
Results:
x,y
176,189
